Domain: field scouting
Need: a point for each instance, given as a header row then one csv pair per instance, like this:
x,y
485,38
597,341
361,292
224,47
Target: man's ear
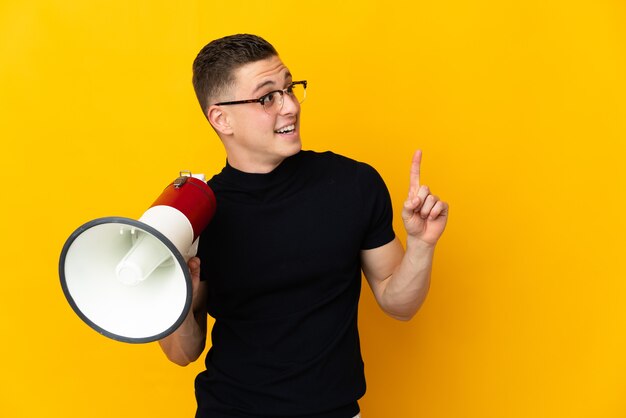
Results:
x,y
219,119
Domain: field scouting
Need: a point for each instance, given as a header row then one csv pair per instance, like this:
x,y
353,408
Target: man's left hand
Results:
x,y
424,215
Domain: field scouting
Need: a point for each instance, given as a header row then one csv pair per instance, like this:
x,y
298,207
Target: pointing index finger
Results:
x,y
414,181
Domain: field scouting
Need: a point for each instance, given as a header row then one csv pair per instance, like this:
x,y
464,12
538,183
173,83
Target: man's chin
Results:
x,y
292,148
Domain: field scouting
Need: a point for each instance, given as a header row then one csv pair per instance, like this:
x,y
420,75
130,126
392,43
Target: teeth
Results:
x,y
286,129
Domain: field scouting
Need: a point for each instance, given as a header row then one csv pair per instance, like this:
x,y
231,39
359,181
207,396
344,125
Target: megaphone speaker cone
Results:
x,y
125,279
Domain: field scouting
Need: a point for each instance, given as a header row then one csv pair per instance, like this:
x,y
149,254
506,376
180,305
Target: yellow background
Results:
x,y
519,107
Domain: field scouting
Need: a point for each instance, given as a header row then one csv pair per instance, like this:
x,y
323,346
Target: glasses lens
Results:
x,y
299,92
272,102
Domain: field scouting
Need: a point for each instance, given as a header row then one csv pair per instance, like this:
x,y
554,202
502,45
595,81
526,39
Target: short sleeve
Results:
x,y
377,209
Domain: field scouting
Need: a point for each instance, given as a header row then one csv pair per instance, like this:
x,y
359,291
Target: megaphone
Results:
x,y
128,279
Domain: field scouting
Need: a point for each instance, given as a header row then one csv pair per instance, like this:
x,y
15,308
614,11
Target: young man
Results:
x,y
283,256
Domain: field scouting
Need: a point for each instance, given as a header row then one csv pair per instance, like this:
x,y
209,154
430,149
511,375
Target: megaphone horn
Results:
x,y
128,279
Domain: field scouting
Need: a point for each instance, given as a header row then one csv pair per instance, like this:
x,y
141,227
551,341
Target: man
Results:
x,y
283,256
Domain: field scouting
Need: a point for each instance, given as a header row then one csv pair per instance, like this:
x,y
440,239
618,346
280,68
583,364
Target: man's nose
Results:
x,y
290,105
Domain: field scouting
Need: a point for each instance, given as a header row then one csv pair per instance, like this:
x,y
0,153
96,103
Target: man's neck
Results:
x,y
254,166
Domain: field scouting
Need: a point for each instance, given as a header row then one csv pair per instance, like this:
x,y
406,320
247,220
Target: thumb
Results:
x,y
410,206
194,270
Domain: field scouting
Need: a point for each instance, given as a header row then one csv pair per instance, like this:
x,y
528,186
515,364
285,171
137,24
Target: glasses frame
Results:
x,y
260,100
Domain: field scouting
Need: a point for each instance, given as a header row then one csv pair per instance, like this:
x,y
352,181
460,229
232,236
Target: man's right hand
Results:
x,y
194,269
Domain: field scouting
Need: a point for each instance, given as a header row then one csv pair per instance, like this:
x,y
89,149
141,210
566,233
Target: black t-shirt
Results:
x,y
282,261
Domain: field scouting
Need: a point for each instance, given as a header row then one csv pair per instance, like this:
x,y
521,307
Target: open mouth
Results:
x,y
286,129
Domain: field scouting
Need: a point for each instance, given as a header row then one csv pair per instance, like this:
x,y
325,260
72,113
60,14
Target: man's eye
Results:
x,y
290,89
268,98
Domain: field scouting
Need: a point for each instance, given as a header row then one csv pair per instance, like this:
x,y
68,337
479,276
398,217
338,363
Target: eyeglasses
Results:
x,y
272,102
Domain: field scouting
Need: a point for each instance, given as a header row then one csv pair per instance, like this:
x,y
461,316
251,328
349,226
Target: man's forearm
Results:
x,y
406,289
186,344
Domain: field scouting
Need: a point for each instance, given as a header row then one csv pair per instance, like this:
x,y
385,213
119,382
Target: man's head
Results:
x,y
214,67
249,97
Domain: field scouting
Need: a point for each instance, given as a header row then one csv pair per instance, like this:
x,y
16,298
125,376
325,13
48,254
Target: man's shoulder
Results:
x,y
343,170
330,157
343,161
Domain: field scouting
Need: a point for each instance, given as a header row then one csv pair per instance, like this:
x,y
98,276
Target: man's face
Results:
x,y
260,141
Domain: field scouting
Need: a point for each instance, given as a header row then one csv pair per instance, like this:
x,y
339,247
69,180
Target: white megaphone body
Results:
x,y
128,279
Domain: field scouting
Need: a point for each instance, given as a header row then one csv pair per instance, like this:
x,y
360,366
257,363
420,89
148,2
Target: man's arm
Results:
x,y
400,279
186,344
